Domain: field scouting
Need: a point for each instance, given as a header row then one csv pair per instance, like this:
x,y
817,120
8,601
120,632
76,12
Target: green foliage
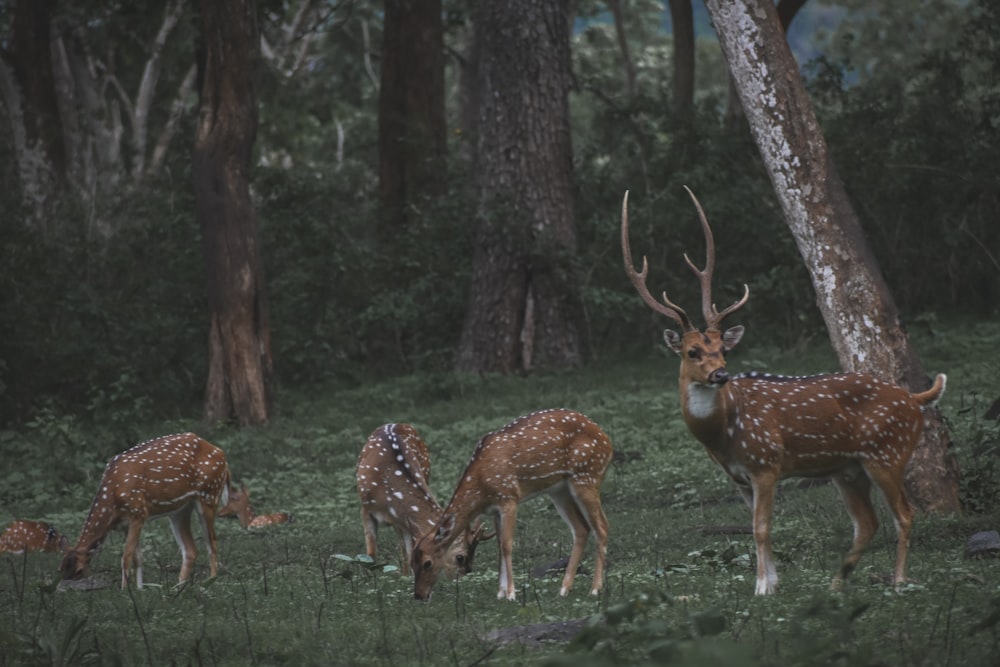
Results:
x,y
916,144
103,318
677,592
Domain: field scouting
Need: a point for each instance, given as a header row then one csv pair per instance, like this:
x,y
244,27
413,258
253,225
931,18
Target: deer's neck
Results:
x,y
467,504
706,411
101,518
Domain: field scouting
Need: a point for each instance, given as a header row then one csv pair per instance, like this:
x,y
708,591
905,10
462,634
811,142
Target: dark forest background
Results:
x,y
103,309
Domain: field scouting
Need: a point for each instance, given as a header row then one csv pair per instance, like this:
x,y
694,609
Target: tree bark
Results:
x,y
412,131
787,9
523,309
860,314
468,89
627,64
682,19
29,93
240,365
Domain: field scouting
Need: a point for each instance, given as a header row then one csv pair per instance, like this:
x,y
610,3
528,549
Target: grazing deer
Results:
x,y
760,428
393,474
239,505
272,519
170,476
21,536
557,452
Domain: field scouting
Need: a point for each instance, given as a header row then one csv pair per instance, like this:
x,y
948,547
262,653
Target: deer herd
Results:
x,y
855,429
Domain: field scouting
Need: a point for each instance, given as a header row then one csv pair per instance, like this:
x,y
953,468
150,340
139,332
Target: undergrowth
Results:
x,y
681,564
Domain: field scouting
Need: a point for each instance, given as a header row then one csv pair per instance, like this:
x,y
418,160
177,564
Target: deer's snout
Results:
x,y
719,376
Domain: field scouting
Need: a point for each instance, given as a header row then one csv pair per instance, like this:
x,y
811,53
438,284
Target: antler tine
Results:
x,y
667,308
713,318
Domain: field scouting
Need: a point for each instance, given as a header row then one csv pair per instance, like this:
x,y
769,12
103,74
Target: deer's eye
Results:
x,y
694,353
460,559
428,564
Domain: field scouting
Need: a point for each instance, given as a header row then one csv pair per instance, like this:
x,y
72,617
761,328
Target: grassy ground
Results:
x,y
679,591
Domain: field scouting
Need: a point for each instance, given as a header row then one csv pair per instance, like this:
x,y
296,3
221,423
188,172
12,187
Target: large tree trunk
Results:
x,y
682,19
852,295
29,93
787,10
523,308
411,115
239,376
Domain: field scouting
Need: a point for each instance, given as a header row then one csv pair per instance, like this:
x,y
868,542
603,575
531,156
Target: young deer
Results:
x,y
272,519
170,476
239,505
393,474
760,428
21,536
557,452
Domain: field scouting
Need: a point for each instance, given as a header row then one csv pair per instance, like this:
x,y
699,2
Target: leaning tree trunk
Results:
x,y
852,295
239,375
523,309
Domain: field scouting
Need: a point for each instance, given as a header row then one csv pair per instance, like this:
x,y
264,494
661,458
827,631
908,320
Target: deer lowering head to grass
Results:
x,y
760,428
21,536
557,452
393,474
171,477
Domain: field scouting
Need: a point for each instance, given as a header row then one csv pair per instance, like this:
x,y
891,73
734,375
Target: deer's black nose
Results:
x,y
719,376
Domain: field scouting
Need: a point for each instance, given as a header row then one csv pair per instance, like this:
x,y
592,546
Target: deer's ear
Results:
x,y
445,528
673,340
731,337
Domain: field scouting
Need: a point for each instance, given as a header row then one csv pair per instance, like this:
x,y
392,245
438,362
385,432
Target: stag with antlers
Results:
x,y
851,427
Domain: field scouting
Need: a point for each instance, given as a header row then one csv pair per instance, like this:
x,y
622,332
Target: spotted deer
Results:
x,y
171,476
557,452
272,519
760,428
21,536
393,474
239,505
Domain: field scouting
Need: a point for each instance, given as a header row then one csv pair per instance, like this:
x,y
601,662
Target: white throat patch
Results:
x,y
701,400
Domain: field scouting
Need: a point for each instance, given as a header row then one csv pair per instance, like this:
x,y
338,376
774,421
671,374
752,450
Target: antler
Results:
x,y
713,318
667,308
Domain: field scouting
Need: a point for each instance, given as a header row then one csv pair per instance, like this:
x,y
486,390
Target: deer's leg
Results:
x,y
131,544
370,525
180,526
890,482
405,549
506,524
565,505
855,488
207,513
588,500
763,507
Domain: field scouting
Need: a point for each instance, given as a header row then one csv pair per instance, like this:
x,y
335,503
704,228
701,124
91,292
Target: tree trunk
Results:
x,y
682,19
852,295
523,309
627,64
787,9
468,89
240,366
411,115
29,93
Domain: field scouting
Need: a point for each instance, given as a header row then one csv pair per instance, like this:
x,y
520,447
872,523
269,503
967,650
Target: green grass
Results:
x,y
677,592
